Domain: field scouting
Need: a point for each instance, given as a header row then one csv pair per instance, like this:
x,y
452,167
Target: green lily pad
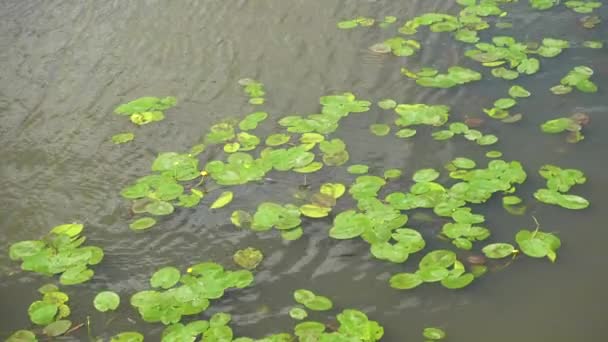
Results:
x,y
142,223
128,336
224,199
405,133
433,333
380,129
358,169
122,138
106,301
248,258
405,281
498,250
57,328
165,277
518,91
298,313
387,104
425,175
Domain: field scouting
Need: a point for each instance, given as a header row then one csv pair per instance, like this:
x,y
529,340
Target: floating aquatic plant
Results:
x,y
146,109
248,258
543,4
433,334
402,47
186,294
429,77
566,124
59,252
312,301
559,181
253,89
359,21
49,312
122,138
578,78
583,6
106,301
505,49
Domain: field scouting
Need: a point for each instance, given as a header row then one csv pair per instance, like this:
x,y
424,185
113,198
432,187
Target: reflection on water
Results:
x,y
65,65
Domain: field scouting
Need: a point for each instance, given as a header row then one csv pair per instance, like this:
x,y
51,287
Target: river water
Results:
x,y
65,66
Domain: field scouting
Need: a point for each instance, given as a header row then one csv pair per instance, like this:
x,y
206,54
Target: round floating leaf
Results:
x,y
319,303
292,234
47,288
302,296
493,154
347,24
224,199
76,275
357,169
464,163
380,129
505,103
128,336
298,313
439,258
392,173
314,211
22,336
122,138
312,167
454,282
23,249
431,274
349,224
387,104
405,133
159,208
106,301
488,139
442,135
142,223
165,278
241,218
42,313
405,281
335,190
232,147
248,258
277,139
425,175
518,91
433,333
498,250
561,89
70,229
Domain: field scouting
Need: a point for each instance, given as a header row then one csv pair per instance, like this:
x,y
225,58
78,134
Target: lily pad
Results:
x,y
106,301
248,258
224,199
122,138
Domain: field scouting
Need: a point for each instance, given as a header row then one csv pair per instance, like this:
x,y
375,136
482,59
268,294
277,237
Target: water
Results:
x,y
65,65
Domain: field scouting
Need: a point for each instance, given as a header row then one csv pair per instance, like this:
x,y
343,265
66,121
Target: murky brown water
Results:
x,y
65,65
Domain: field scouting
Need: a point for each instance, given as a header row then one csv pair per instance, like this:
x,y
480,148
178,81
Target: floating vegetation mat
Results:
x,y
375,208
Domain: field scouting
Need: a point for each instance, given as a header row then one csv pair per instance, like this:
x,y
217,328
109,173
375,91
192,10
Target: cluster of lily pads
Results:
x,y
429,77
142,111
559,182
509,58
59,252
578,78
501,107
375,209
253,89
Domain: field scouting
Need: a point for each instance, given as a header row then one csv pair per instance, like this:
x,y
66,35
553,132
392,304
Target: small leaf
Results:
x,y
498,250
165,278
142,223
433,333
122,138
224,199
298,313
106,301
